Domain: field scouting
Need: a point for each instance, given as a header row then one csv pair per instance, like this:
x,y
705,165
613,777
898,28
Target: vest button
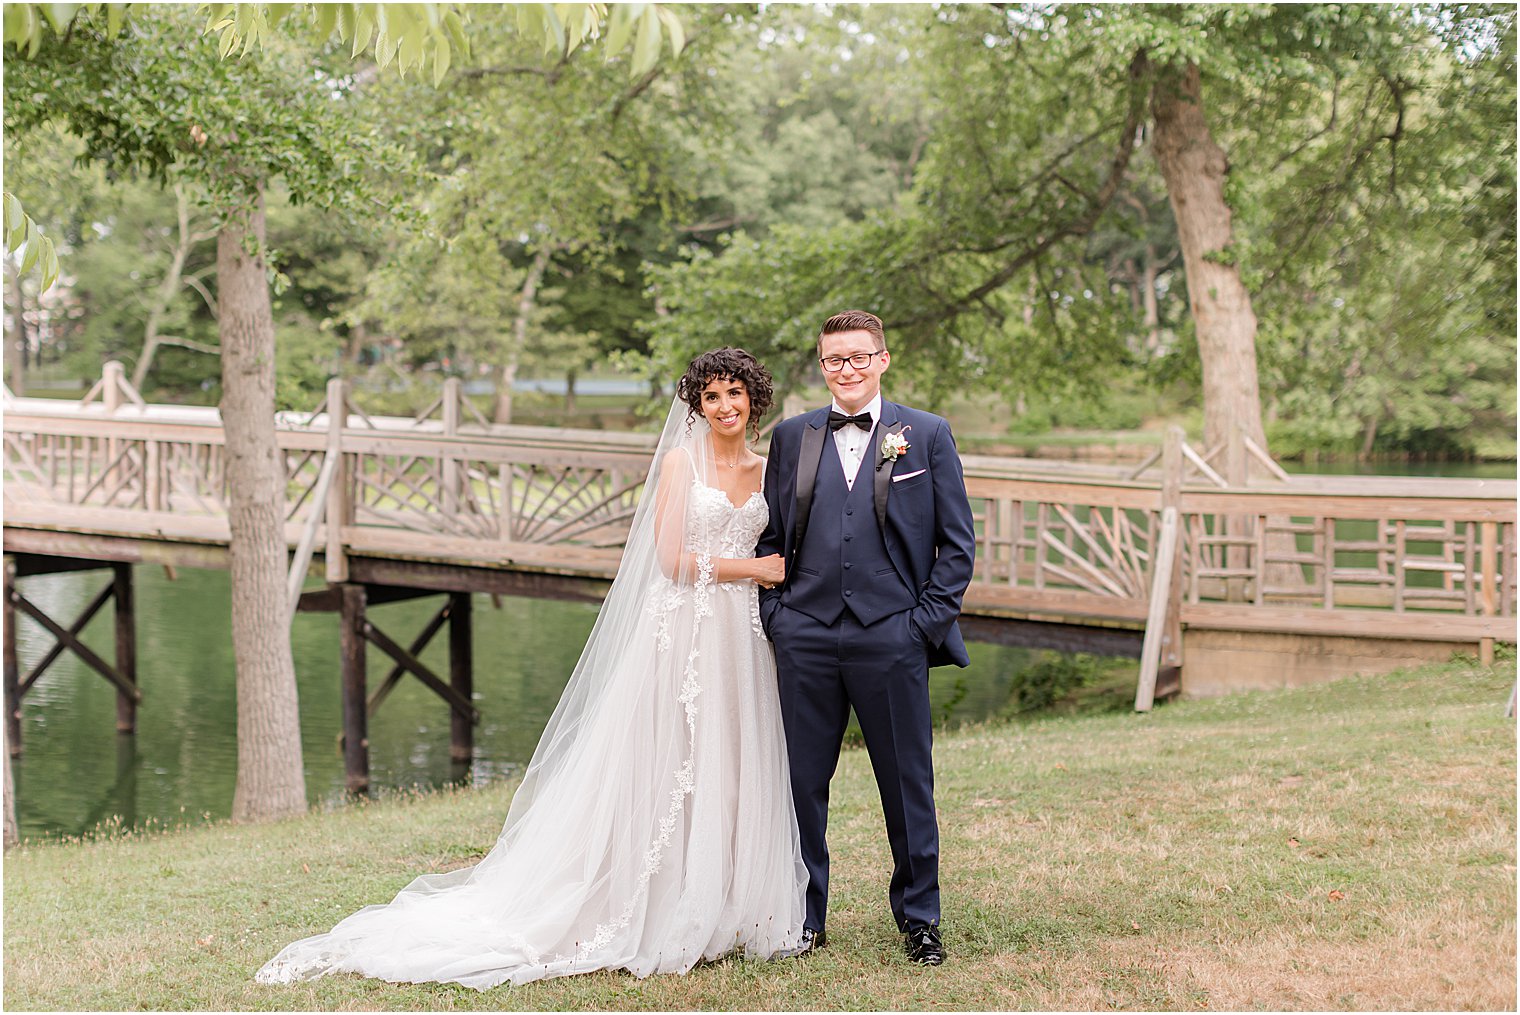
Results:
x,y
849,511
847,538
848,566
848,592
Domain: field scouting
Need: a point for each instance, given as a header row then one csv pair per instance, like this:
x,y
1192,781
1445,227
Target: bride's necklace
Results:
x,y
739,453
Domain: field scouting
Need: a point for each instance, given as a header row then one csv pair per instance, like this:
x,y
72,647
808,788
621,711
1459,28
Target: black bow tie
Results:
x,y
838,419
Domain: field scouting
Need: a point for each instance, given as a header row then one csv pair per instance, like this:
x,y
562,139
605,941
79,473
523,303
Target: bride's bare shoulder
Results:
x,y
675,466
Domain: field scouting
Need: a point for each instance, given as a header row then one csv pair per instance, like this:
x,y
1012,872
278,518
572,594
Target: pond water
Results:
x,y
76,773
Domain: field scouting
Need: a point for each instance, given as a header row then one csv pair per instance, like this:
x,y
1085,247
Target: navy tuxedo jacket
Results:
x,y
921,509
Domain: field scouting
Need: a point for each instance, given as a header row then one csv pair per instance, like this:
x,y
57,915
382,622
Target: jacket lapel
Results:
x,y
807,476
883,471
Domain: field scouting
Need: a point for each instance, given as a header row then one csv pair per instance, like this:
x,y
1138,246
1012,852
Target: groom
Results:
x,y
869,508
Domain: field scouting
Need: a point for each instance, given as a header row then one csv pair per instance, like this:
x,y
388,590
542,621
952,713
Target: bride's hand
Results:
x,y
770,571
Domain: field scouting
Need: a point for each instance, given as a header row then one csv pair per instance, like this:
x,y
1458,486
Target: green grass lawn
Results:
x,y
1345,846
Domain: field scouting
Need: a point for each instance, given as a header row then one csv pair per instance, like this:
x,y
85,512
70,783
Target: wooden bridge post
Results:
x,y
449,474
113,374
1489,563
126,646
1161,652
12,669
355,719
1238,526
338,493
1169,680
1155,621
461,675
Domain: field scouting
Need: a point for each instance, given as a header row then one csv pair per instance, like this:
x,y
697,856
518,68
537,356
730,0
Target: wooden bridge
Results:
x,y
1266,583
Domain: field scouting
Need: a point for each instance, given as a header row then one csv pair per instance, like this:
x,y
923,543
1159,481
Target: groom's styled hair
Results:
x,y
853,320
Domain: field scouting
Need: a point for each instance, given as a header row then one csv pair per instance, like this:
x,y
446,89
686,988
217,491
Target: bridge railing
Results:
x,y
1405,558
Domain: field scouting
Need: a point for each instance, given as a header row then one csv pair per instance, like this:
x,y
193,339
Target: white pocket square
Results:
x,y
908,475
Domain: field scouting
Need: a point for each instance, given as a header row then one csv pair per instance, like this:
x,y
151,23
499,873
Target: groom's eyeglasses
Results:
x,y
861,360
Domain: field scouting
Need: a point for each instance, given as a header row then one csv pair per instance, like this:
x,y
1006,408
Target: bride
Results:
x,y
654,827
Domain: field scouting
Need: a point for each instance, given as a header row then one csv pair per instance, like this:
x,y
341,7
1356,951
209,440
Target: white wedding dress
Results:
x,y
654,828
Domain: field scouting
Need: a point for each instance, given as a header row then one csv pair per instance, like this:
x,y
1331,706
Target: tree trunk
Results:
x,y
526,302
1148,294
505,379
1194,168
358,338
570,376
166,291
270,783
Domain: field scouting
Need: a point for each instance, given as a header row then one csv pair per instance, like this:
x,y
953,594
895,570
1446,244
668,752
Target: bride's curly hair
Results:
x,y
728,364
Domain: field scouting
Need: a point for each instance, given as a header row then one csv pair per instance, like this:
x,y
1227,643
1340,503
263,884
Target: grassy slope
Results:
x,y
1185,859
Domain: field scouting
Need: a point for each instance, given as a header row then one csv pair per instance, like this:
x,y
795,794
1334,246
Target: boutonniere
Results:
x,y
893,445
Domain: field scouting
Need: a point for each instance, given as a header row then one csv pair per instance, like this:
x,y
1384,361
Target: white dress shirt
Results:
x,y
854,443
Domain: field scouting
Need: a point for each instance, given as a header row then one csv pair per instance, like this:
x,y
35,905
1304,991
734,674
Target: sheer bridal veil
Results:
x,y
656,577
607,799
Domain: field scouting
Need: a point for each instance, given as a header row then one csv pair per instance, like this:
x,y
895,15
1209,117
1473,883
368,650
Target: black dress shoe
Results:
x,y
925,947
812,940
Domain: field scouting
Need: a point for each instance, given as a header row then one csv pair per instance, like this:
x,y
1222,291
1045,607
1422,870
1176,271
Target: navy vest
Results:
x,y
843,563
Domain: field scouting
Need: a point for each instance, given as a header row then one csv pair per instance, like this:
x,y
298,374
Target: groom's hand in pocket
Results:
x,y
770,605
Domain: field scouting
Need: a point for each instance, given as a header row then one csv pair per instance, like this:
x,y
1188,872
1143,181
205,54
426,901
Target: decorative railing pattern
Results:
x,y
1046,545
1386,557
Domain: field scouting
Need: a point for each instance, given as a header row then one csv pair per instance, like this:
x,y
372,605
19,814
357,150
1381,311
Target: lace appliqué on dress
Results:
x,y
756,628
701,592
685,779
685,782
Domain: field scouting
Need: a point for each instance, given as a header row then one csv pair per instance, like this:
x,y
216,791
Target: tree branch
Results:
x,y
1050,310
650,77
637,89
914,155
194,282
1397,89
716,225
185,343
1317,215
551,75
1078,225
1335,96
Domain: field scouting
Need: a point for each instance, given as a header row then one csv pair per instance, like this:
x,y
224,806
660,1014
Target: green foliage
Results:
x,y
36,248
26,25
1056,677
569,161
1388,312
924,267
412,37
951,168
305,357
1356,135
810,138
160,100
451,303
